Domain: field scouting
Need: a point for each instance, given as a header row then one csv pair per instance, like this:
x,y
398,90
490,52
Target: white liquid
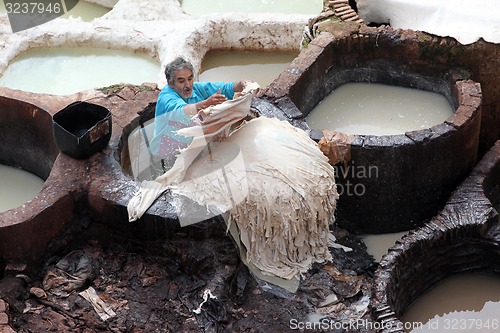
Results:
x,y
228,66
379,109
17,187
198,8
63,71
463,303
378,245
86,11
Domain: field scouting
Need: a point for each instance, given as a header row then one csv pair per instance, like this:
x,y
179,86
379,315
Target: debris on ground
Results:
x,y
105,281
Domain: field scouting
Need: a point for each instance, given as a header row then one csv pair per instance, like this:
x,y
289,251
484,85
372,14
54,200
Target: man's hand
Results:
x,y
215,99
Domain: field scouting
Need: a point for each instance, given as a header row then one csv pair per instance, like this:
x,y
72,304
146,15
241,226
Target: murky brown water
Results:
x,y
378,245
463,303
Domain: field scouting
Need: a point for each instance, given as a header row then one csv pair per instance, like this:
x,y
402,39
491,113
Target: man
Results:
x,y
180,100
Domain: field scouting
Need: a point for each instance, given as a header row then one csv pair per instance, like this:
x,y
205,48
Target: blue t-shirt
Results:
x,y
169,113
170,101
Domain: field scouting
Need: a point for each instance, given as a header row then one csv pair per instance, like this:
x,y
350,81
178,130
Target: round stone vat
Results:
x,y
26,137
67,70
478,301
463,237
391,183
28,144
395,182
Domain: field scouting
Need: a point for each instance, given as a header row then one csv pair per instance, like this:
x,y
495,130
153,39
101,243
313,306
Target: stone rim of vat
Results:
x,y
463,237
330,60
28,143
79,188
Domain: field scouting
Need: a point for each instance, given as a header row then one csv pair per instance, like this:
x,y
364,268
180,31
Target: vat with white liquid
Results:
x,y
362,108
199,8
262,67
401,170
18,187
68,70
396,177
36,202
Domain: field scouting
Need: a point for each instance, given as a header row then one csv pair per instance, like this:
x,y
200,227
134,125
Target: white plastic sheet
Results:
x,y
465,20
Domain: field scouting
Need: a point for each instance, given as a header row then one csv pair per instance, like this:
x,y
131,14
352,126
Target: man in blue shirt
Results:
x,y
180,100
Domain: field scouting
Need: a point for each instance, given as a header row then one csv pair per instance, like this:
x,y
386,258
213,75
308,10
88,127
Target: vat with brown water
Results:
x,y
462,303
432,260
377,245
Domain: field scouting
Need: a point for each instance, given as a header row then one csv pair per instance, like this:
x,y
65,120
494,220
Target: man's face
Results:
x,y
183,82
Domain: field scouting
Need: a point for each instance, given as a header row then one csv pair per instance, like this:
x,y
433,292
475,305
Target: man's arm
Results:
x,y
214,99
191,109
239,86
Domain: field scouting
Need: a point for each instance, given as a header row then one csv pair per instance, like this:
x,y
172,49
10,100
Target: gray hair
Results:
x,y
175,65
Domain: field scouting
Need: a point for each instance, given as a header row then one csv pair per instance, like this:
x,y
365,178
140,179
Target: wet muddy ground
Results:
x,y
155,286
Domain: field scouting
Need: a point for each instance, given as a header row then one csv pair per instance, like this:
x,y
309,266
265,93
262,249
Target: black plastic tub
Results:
x,y
81,129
